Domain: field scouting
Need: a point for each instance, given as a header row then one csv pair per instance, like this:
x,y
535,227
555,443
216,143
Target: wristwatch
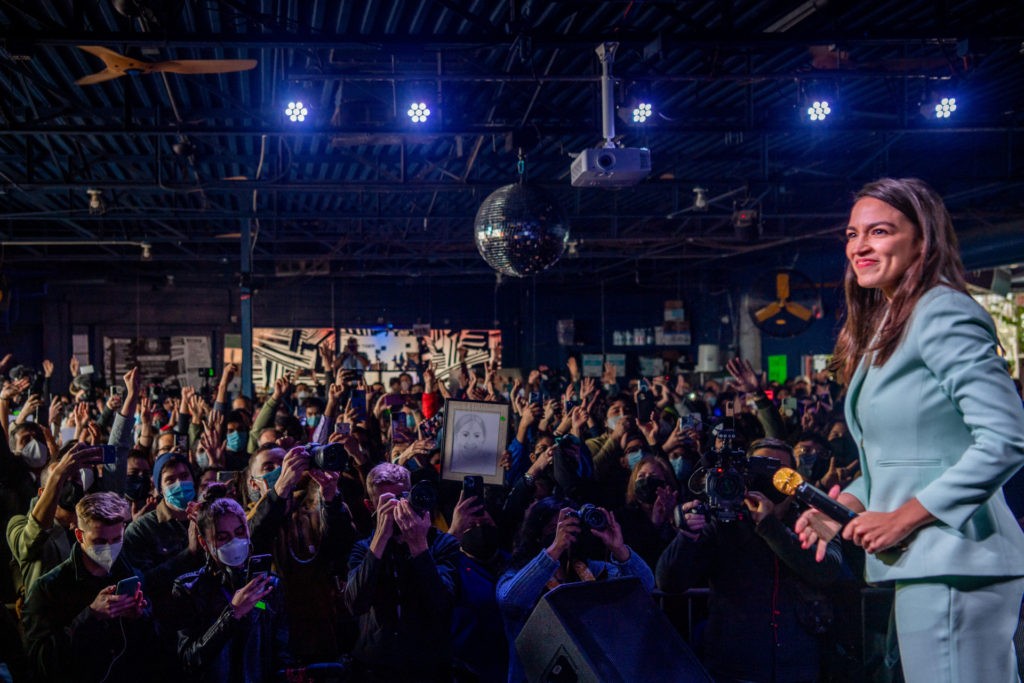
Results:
x,y
529,479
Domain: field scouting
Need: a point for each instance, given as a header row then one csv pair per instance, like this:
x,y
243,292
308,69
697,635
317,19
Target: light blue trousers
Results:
x,y
958,629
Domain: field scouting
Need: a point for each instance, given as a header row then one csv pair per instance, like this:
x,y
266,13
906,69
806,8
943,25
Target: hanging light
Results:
x,y
296,111
418,112
819,110
642,112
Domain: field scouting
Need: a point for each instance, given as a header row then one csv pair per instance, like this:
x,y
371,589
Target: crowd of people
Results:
x,y
216,537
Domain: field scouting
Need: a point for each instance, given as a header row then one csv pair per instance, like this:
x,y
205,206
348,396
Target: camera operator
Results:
x,y
555,546
401,584
765,593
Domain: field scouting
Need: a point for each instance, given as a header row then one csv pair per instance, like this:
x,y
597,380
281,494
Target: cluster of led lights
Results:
x,y
418,112
296,111
819,110
945,107
642,112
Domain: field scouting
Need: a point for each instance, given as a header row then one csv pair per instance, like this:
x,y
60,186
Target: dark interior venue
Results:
x,y
508,340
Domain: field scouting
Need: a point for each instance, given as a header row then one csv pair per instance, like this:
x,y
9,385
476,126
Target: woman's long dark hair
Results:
x,y
939,262
530,539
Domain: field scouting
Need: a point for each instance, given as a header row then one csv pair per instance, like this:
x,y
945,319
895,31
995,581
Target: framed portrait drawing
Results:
x,y
475,437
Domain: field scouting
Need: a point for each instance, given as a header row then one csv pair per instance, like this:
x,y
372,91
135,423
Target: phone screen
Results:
x,y
358,402
259,565
127,586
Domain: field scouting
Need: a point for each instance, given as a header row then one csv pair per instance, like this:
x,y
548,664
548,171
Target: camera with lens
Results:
x,y
422,497
591,517
723,483
330,457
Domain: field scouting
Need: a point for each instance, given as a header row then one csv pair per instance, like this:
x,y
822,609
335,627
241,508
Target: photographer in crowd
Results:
x,y
556,544
401,585
765,588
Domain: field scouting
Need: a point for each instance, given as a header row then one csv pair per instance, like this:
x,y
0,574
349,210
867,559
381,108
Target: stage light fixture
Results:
x,y
642,112
296,111
819,110
418,112
945,107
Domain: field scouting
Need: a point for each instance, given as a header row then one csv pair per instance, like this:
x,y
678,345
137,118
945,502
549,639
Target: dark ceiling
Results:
x,y
188,163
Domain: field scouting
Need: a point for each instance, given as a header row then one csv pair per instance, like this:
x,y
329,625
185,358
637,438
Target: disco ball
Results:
x,y
521,230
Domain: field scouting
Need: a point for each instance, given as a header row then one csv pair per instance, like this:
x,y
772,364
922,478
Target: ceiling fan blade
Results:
x,y
205,66
799,311
782,286
99,77
768,311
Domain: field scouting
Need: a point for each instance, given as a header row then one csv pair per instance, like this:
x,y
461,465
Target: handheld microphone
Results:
x,y
791,483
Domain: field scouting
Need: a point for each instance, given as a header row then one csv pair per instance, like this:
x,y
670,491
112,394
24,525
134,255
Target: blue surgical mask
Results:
x,y
312,420
271,477
613,421
633,457
179,494
235,440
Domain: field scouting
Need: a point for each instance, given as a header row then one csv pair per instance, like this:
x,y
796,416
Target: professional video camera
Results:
x,y
724,481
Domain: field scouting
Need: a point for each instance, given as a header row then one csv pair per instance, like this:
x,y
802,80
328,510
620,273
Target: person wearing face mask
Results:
x,y
613,449
646,518
303,521
163,543
478,639
763,584
77,626
43,538
230,626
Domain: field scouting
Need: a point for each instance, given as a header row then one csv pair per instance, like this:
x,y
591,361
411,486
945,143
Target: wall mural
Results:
x,y
277,351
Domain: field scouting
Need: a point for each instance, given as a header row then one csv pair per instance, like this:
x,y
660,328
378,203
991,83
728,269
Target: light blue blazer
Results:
x,y
941,421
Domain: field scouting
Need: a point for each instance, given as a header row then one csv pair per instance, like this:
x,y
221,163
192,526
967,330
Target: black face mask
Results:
x,y
481,542
136,487
646,490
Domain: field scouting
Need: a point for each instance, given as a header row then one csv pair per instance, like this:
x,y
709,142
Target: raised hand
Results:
x,y
611,536
246,597
744,377
47,368
566,531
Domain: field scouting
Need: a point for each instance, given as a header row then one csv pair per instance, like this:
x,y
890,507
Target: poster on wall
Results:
x,y
169,361
386,352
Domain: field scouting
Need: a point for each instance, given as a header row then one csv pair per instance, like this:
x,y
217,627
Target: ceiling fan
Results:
x,y
118,65
786,309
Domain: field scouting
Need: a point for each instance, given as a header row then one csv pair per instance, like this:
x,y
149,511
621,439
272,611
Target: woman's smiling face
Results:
x,y
881,245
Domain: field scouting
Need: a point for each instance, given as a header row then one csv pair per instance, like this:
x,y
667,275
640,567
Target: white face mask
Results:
x,y
103,555
88,476
35,454
234,552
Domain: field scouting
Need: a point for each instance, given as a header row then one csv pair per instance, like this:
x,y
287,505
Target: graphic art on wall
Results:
x,y
277,350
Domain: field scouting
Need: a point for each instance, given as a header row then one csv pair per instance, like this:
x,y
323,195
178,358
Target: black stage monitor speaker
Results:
x,y
604,632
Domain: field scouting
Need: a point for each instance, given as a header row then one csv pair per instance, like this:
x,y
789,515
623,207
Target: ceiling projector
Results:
x,y
611,167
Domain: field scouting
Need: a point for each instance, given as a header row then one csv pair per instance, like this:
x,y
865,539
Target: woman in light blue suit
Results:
x,y
940,429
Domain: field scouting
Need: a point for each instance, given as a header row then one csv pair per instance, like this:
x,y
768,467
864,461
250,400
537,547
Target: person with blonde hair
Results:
x,y
87,619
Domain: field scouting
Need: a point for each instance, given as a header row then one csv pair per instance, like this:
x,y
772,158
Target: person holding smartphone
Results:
x,y
231,621
78,625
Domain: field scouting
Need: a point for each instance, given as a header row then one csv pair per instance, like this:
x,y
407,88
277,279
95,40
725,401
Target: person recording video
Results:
x,y
765,588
